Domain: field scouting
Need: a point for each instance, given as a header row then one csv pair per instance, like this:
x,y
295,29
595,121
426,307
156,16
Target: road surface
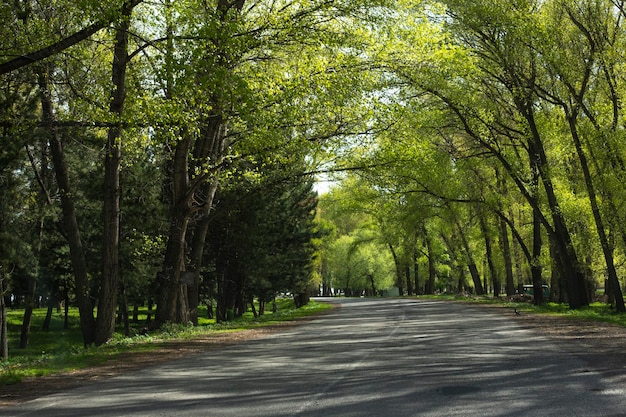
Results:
x,y
370,357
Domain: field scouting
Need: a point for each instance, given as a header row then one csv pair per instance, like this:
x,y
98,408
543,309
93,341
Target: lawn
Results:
x,y
61,349
601,312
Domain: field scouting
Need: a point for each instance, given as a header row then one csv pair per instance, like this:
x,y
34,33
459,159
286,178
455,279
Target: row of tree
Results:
x,y
499,149
162,151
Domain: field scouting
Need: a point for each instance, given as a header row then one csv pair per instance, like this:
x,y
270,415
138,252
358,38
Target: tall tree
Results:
x,y
107,300
70,222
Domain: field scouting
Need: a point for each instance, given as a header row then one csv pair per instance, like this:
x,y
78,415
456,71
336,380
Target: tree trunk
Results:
x,y
169,277
429,285
32,289
505,244
535,266
495,278
107,301
572,270
471,264
507,257
77,255
136,313
373,284
149,315
46,321
607,249
28,312
251,301
478,287
418,291
4,339
123,307
557,291
407,274
200,232
398,269
535,261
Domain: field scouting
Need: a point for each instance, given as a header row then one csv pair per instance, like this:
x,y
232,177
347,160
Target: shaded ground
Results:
x,y
35,387
602,346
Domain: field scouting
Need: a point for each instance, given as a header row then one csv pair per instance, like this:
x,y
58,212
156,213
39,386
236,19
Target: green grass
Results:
x,y
595,311
60,349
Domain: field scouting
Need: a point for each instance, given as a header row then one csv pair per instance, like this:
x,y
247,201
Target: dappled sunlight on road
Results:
x,y
374,357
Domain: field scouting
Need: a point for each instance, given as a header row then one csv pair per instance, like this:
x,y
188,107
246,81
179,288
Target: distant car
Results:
x,y
528,289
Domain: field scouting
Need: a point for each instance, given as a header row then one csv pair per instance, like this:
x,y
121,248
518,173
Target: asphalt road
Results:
x,y
380,357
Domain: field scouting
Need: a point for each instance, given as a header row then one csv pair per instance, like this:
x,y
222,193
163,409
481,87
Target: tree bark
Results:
x,y
77,255
4,339
607,250
429,285
495,277
471,264
398,267
416,271
169,277
535,261
407,275
572,269
212,147
53,49
107,301
32,288
505,243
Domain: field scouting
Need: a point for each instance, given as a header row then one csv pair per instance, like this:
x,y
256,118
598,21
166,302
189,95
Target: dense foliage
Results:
x,y
164,152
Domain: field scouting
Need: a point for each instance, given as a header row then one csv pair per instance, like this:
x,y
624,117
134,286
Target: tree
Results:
x,y
508,82
107,301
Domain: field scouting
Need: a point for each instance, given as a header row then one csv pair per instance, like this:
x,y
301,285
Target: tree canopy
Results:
x,y
166,152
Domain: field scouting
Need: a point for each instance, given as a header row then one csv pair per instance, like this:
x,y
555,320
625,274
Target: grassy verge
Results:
x,y
595,311
61,349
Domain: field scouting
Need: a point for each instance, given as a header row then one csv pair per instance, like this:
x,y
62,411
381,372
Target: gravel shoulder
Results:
x,y
601,346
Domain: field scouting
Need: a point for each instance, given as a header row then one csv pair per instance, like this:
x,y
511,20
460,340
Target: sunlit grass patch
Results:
x,y
601,312
61,349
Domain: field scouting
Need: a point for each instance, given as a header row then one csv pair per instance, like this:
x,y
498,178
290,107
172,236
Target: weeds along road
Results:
x,y
370,357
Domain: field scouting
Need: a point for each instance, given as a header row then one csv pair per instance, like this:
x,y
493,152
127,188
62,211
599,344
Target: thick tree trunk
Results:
x,y
107,301
607,249
169,277
572,269
557,290
478,286
77,255
200,233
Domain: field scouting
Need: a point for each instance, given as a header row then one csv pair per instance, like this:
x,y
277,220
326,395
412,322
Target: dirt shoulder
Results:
x,y
31,388
601,346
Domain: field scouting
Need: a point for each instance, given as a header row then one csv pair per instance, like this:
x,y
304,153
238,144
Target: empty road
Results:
x,y
370,357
